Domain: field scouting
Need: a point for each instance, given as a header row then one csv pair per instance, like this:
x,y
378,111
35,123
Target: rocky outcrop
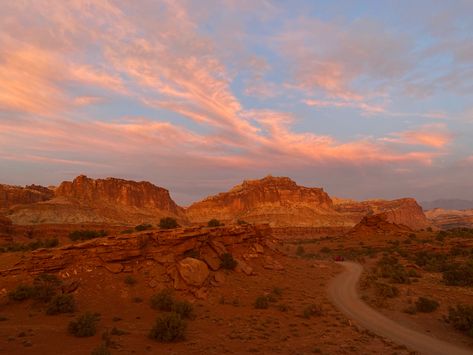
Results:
x,y
449,219
17,195
113,201
278,201
163,255
405,211
377,225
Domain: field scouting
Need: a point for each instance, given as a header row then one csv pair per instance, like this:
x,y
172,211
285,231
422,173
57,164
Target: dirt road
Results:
x,y
342,292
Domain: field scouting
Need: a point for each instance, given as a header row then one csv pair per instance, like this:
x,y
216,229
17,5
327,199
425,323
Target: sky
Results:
x,y
367,99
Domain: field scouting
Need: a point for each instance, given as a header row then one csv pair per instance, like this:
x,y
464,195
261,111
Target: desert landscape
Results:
x,y
244,271
207,177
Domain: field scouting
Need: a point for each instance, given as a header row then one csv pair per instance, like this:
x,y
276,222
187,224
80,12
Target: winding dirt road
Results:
x,y
342,292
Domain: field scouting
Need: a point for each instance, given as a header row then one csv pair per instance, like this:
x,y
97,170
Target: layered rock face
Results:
x,y
405,211
280,202
17,195
111,200
448,219
275,200
117,191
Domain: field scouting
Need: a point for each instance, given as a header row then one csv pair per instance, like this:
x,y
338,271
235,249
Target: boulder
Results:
x,y
211,258
194,272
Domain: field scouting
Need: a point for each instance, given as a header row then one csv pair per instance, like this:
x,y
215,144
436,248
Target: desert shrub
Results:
x,y
461,317
86,234
45,287
261,302
277,291
102,349
51,243
169,327
390,268
184,309
143,227
37,244
127,231
228,262
214,223
241,222
385,290
61,304
130,280
426,305
312,310
21,293
168,223
325,250
163,300
117,331
412,273
300,250
84,325
459,274
430,261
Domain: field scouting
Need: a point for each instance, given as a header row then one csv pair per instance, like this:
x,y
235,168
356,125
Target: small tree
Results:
x,y
168,223
84,326
228,262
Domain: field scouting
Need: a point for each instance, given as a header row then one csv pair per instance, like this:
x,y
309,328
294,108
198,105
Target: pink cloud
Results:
x,y
433,135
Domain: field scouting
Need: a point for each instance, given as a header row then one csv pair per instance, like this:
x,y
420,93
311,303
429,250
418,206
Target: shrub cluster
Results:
x,y
164,301
86,234
461,317
430,261
143,227
169,327
261,302
43,289
18,247
426,305
168,223
61,304
84,325
390,268
214,223
459,274
384,290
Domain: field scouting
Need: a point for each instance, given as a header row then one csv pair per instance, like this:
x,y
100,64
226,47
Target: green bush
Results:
x,y
84,325
86,234
61,304
169,327
390,268
214,223
163,300
459,274
37,244
45,287
228,262
312,310
127,231
241,222
184,309
261,302
21,293
461,317
430,261
143,227
168,223
426,305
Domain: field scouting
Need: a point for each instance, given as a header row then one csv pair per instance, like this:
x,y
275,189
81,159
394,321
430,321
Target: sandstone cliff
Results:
x,y
278,201
405,211
114,201
447,219
17,195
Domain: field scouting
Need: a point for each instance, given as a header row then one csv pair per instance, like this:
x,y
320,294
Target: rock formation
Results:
x,y
377,225
275,200
282,203
448,219
17,195
162,255
113,201
405,211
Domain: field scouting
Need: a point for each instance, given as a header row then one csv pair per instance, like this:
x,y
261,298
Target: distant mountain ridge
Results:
x,y
447,204
277,201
